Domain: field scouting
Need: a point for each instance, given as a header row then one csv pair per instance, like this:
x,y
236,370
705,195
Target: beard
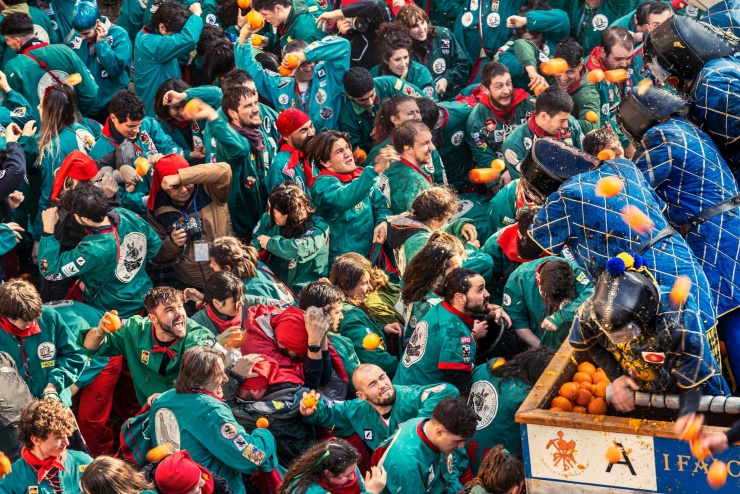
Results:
x,y
246,124
170,328
389,399
477,309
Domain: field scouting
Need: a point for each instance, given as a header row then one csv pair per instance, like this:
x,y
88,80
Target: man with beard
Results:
x,y
153,346
380,407
499,110
442,349
574,82
289,164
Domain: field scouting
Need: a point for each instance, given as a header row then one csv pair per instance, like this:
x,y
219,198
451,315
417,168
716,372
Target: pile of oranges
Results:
x,y
586,393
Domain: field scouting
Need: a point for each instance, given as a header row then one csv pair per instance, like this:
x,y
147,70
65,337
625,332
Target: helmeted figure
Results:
x,y
699,60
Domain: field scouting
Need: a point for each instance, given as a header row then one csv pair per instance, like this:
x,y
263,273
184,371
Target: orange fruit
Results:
x,y
483,175
587,367
284,71
693,429
595,76
191,108
609,186
583,397
698,450
159,453
587,386
556,409
234,340
5,465
254,19
262,423
680,291
74,79
291,60
637,220
599,377
613,454
538,89
592,116
599,389
554,66
142,166
644,85
597,407
569,391
579,409
244,4
617,75
370,341
256,40
359,155
717,475
562,403
310,401
582,377
498,165
112,322
606,155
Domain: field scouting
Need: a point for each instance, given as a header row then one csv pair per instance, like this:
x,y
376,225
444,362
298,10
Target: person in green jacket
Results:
x,y
224,305
365,94
499,388
503,206
110,474
346,196
379,409
43,65
542,297
118,235
42,26
106,50
586,104
153,346
499,472
290,20
38,340
395,49
46,465
171,33
551,118
294,237
290,164
131,17
436,48
169,102
590,18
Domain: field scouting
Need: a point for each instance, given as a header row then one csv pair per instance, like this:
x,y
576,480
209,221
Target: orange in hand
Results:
x,y
244,4
616,75
609,186
112,322
310,401
142,166
159,453
717,475
554,66
192,108
595,76
284,71
291,60
498,165
698,450
592,116
359,155
637,220
262,423
693,429
234,340
680,291
255,19
539,88
256,40
5,465
371,341
74,79
613,454
482,175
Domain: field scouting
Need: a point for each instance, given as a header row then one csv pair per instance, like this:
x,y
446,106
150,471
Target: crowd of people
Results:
x,y
307,246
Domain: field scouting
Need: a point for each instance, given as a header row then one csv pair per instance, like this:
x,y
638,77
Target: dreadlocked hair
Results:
x,y
527,366
334,456
498,472
426,270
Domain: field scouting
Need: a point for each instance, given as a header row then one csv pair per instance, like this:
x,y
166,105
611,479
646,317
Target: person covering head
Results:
x,y
268,373
179,474
166,166
290,120
76,165
290,330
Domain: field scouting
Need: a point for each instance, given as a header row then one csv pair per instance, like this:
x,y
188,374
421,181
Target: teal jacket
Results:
x,y
482,25
131,17
24,478
587,24
436,168
282,170
355,326
502,208
449,140
300,24
445,58
42,28
267,289
417,75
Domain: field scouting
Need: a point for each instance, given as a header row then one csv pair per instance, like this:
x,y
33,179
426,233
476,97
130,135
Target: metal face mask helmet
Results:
x,y
639,112
677,50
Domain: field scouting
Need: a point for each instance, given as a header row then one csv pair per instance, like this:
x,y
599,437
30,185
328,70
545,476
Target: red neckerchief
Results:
x,y
416,169
595,60
423,436
506,116
33,47
182,124
539,132
51,466
343,177
223,324
577,82
204,391
508,240
296,156
12,329
107,133
352,486
158,348
469,321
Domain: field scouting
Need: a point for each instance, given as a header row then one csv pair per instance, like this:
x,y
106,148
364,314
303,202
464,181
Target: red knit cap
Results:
x,y
166,166
290,330
76,165
290,120
179,474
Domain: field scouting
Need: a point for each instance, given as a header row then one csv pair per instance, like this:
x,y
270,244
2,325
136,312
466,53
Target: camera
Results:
x,y
359,24
192,228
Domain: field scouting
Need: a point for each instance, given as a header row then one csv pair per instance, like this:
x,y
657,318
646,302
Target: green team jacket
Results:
x,y
300,24
324,97
587,24
28,78
450,141
248,195
42,28
152,139
524,304
355,326
407,183
106,286
201,318
442,12
131,17
517,144
316,488
436,168
416,311
486,145
586,99
441,341
296,261
610,95
482,25
446,59
357,416
135,341
267,289
206,428
417,75
49,357
503,266
346,351
358,122
502,208
24,478
352,210
109,62
156,58
8,240
61,13
495,401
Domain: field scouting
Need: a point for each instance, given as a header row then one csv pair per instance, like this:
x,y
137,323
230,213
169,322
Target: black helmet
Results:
x,y
624,305
639,112
681,46
549,163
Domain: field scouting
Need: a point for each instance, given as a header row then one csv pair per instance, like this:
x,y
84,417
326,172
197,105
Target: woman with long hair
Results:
x,y
188,134
395,49
500,473
292,237
262,285
352,274
437,49
106,475
331,467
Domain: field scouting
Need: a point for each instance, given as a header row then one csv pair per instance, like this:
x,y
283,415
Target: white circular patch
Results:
x,y
463,206
166,428
691,11
484,400
473,4
284,99
47,80
507,299
605,109
439,66
467,19
46,351
320,96
211,19
429,167
85,140
417,345
132,254
457,138
228,431
40,33
544,58
600,22
527,143
493,19
429,91
511,157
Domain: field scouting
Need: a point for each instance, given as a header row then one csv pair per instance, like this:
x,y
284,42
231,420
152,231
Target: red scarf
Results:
x,y
182,124
158,348
479,95
12,329
539,131
469,321
107,133
297,156
43,467
577,82
221,323
423,435
595,60
204,391
508,240
352,486
416,169
343,177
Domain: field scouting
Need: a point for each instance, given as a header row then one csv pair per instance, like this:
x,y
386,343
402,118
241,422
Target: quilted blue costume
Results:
x,y
725,14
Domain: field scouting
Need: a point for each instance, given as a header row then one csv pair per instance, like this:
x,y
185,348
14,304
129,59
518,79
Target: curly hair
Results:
x,y
393,37
409,15
333,455
43,418
231,255
19,299
289,199
435,203
499,472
